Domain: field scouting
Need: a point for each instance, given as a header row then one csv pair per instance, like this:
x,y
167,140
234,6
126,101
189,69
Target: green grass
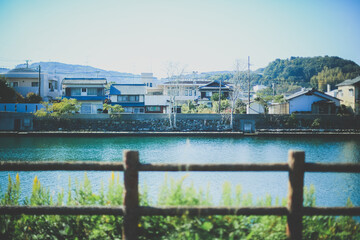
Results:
x,y
172,193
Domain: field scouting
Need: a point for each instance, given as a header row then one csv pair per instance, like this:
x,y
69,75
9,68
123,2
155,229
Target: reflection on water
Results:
x,y
332,189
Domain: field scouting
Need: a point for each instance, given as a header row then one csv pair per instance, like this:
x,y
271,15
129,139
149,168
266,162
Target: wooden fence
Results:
x,y
131,210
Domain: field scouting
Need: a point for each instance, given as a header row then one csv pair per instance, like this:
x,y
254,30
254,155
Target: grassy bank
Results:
x,y
172,193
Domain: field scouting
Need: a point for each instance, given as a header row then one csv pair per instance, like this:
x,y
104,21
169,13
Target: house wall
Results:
x,y
347,99
302,103
255,108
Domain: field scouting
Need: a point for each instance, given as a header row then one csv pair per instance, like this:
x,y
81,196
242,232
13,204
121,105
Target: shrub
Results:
x,y
33,98
172,193
59,108
316,123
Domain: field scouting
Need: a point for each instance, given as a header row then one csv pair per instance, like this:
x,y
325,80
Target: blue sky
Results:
x,y
143,36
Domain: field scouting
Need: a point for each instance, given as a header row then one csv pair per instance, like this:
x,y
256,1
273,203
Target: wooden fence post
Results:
x,y
295,194
131,195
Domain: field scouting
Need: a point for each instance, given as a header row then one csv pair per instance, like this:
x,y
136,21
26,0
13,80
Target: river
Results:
x,y
332,189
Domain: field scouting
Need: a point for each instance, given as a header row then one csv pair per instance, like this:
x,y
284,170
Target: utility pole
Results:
x,y
249,80
39,78
220,96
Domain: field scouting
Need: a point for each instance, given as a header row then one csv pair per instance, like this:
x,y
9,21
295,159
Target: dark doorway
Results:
x,y
17,124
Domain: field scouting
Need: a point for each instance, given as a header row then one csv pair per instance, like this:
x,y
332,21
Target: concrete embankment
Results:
x,y
277,132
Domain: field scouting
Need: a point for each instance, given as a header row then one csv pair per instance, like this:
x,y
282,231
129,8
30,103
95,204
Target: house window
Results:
x,y
92,91
153,109
83,90
150,84
340,93
100,92
128,98
351,92
51,87
15,84
34,84
208,94
190,92
76,91
186,93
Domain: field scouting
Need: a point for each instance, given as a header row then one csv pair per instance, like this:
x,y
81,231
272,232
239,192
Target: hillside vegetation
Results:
x,y
287,74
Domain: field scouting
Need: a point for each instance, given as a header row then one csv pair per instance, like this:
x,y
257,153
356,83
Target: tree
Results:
x,y
239,83
7,94
174,73
113,109
33,98
59,108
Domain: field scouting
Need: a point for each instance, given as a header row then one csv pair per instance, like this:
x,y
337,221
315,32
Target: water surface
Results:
x,y
332,189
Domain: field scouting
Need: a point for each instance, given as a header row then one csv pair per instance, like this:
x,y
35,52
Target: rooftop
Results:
x,y
349,82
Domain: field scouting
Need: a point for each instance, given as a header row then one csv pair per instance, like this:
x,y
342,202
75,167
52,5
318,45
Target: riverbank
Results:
x,y
259,132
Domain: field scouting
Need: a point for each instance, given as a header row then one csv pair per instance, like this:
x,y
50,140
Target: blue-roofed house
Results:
x,y
130,96
90,92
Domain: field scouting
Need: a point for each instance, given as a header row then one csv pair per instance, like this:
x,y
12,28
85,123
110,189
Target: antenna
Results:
x,y
27,63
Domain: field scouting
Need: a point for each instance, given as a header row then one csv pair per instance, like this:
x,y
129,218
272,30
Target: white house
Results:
x,y
312,101
255,108
130,96
157,103
88,91
26,80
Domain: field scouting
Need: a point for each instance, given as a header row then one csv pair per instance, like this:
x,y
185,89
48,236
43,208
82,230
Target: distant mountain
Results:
x,y
71,70
4,70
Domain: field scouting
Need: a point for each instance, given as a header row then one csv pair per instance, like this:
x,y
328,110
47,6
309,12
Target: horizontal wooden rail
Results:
x,y
62,210
175,210
296,167
206,211
60,166
162,167
214,167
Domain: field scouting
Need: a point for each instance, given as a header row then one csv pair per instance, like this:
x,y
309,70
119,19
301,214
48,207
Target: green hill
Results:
x,y
301,70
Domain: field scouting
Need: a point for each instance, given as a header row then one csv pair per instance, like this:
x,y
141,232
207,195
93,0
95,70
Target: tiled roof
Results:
x,y
87,98
128,89
84,81
349,82
311,91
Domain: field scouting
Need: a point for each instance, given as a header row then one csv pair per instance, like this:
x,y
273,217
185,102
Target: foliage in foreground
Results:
x,y
59,108
172,193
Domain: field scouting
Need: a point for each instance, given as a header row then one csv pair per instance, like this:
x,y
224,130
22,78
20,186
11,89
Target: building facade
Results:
x,y
90,92
349,94
27,80
130,96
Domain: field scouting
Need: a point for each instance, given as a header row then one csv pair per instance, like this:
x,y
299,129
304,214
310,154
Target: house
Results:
x,y
255,108
26,80
90,92
157,104
183,90
311,101
348,93
213,87
130,96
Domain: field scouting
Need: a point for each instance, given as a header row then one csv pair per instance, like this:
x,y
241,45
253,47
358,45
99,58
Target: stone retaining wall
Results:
x,y
184,122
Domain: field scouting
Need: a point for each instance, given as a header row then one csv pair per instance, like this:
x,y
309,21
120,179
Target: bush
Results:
x,y
316,123
33,98
59,108
172,193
